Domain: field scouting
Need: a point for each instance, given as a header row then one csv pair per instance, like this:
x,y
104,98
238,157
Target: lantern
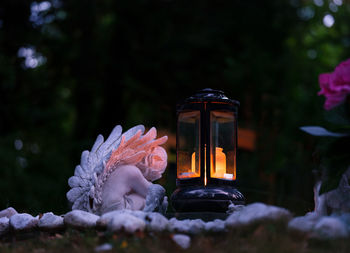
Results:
x,y
206,144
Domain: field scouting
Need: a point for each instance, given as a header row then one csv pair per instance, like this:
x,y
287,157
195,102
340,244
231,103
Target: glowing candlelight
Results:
x,y
219,170
220,164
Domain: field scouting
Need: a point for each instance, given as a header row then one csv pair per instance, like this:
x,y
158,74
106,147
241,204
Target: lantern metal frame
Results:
x,y
205,193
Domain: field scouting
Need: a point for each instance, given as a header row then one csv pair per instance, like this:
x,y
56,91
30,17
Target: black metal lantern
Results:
x,y
206,147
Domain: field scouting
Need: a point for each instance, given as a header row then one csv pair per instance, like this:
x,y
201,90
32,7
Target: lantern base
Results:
x,y
205,199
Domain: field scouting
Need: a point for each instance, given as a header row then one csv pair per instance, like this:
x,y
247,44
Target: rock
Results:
x,y
126,222
234,208
106,218
23,222
257,212
304,224
186,226
156,222
4,225
215,226
8,212
80,219
51,222
321,227
136,213
104,247
184,241
330,228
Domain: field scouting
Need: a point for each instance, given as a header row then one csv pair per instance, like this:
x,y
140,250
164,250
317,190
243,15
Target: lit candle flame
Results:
x,y
220,164
217,171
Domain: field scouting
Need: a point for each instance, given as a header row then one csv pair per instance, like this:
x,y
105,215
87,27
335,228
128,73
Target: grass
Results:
x,y
267,238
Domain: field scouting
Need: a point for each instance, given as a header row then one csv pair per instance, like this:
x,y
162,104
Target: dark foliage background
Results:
x,y
70,70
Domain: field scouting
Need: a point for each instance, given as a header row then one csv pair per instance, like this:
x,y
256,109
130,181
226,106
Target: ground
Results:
x,y
259,238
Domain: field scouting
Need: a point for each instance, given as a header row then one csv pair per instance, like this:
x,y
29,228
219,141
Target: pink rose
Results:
x,y
335,86
153,164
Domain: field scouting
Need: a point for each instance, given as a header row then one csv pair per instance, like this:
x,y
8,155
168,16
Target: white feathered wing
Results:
x,y
82,193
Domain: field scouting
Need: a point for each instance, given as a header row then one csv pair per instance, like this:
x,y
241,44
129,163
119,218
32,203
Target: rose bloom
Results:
x,y
153,164
335,86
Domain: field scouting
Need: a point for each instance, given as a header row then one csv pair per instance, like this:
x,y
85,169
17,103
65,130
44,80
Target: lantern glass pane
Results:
x,y
188,155
223,150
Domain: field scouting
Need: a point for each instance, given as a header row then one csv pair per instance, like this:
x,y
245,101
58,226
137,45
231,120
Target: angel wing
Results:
x,y
91,166
134,150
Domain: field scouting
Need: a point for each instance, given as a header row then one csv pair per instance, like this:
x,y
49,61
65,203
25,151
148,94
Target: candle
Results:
x,y
219,170
220,164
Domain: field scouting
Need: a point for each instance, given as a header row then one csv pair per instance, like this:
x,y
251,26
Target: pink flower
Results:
x,y
153,164
335,86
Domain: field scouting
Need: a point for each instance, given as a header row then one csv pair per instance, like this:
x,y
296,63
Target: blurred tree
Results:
x,y
72,69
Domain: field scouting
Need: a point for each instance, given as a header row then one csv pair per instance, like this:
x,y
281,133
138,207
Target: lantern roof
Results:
x,y
211,95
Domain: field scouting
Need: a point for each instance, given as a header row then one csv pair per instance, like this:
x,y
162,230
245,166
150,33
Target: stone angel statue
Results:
x,y
118,173
334,201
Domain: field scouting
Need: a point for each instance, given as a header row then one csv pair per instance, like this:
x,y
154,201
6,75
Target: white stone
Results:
x,y
322,227
49,221
257,212
8,212
4,225
329,228
104,247
80,219
156,222
215,226
23,222
304,224
184,241
126,222
106,218
186,226
234,208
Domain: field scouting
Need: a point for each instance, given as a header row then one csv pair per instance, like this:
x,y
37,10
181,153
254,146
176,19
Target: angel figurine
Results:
x,y
118,173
